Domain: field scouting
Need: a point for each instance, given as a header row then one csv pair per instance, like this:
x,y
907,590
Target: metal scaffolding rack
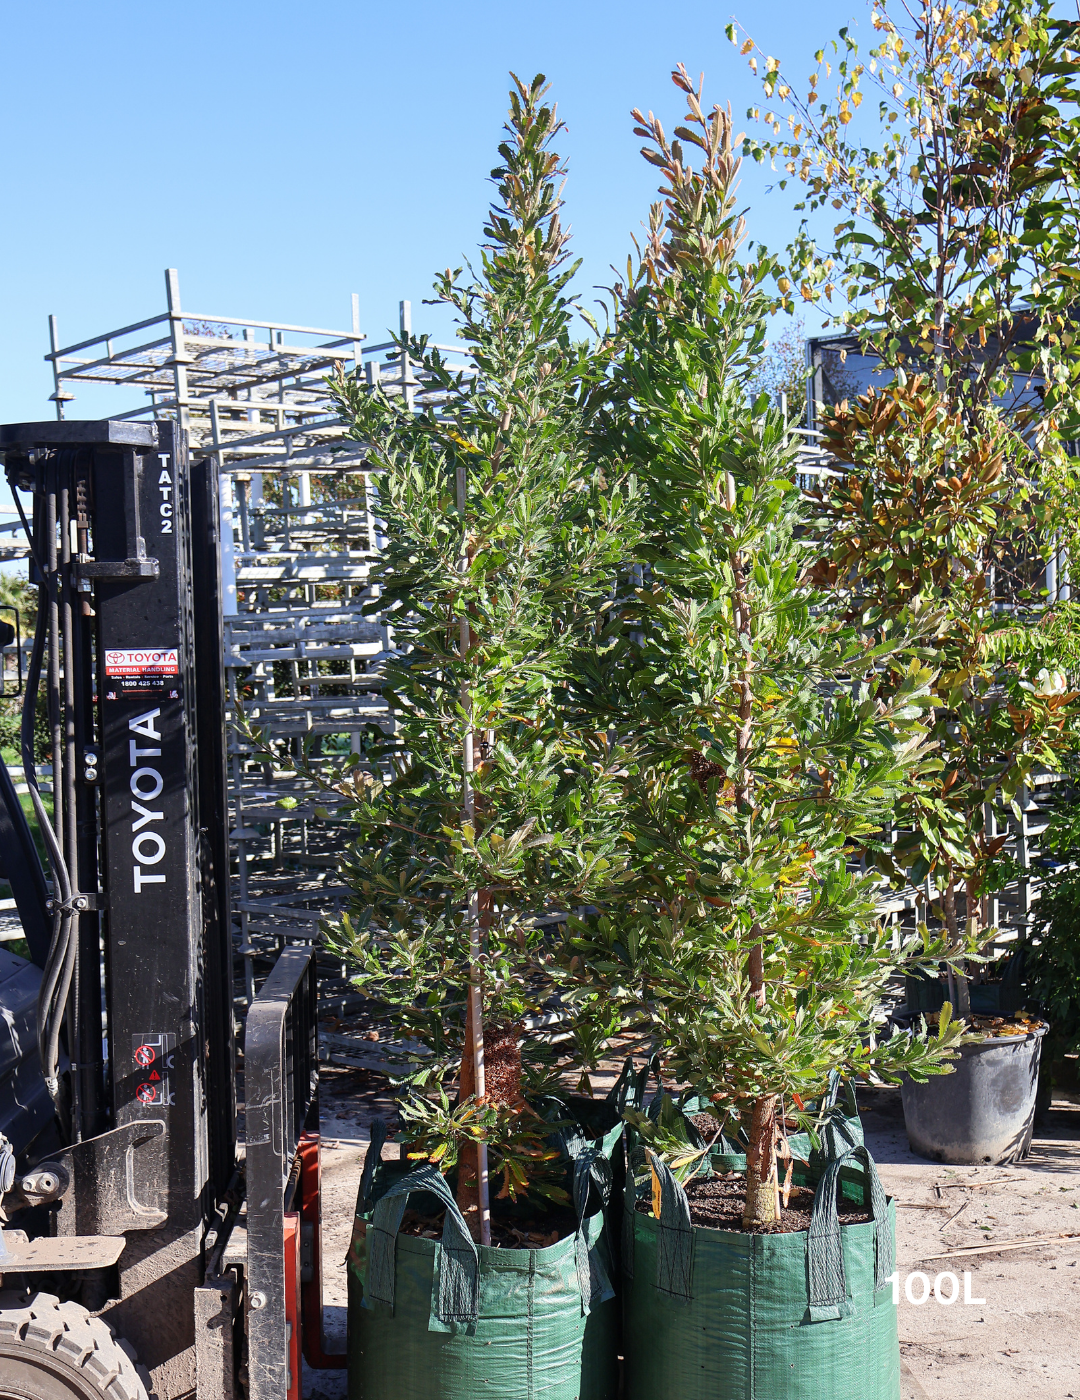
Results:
x,y
303,650
303,654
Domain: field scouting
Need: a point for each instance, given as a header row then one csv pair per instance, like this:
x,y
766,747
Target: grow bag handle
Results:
x,y
675,1247
593,1282
628,1091
838,1106
458,1293
620,1092
673,1266
824,1248
372,1159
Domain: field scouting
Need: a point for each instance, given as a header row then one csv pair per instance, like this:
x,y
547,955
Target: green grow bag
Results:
x,y
452,1320
721,1315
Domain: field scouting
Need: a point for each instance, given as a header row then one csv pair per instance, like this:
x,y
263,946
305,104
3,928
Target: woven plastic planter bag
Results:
x,y
452,1320
723,1315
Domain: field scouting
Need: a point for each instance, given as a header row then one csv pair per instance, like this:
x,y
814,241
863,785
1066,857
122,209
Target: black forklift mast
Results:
x,y
128,651
137,1169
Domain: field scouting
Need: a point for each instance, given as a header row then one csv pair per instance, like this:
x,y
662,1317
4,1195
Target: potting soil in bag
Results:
x,y
839,1125
726,1315
453,1320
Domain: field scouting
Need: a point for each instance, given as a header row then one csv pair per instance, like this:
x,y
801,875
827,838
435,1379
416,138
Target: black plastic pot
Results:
x,y
1002,997
984,1110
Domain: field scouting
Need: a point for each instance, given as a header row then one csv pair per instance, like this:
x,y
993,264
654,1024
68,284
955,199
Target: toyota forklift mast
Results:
x,y
131,1156
135,1025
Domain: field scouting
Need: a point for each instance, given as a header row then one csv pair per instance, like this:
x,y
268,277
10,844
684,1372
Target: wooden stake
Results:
x,y
1029,1243
475,1006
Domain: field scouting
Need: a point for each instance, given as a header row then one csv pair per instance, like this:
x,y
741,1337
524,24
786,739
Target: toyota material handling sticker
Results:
x,y
142,671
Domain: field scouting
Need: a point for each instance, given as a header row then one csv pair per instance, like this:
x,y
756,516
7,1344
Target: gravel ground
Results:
x,y
1021,1341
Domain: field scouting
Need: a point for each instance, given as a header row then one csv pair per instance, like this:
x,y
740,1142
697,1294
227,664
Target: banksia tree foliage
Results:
x,y
761,751
485,819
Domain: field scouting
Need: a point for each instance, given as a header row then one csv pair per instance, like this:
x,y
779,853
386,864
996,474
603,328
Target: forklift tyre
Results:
x,y
57,1351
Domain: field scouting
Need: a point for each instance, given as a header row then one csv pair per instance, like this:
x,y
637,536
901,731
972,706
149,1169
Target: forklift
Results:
x,y
146,1252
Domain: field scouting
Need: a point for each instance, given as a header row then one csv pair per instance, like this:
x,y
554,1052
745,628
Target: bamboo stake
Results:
x,y
475,1007
959,1211
1029,1243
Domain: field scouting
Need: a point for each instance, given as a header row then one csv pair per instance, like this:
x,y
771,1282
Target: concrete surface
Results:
x,y
1021,1342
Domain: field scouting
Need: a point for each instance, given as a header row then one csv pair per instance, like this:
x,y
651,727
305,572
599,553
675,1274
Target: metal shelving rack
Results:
x,y
303,656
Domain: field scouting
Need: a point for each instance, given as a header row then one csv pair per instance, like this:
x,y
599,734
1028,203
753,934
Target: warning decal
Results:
x,y
153,1056
142,661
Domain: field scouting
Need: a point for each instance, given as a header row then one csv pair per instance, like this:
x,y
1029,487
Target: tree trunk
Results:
x,y
468,1190
755,968
762,1187
963,994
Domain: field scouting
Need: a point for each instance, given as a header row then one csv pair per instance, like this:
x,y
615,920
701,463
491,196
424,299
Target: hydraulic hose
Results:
x,y
59,966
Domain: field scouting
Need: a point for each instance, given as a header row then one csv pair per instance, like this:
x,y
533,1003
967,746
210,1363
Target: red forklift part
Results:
x,y
293,1326
315,1353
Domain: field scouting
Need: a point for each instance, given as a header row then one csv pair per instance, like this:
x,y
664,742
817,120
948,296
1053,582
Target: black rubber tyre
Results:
x,y
56,1351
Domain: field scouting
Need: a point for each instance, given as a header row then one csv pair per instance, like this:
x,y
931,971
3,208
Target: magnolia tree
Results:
x,y
955,261
930,520
486,817
956,189
949,153
762,752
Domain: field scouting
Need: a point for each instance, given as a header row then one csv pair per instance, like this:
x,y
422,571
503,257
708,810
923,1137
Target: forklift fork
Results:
x,y
283,1299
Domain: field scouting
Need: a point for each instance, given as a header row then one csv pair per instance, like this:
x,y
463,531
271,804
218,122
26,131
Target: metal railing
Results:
x,y
280,1091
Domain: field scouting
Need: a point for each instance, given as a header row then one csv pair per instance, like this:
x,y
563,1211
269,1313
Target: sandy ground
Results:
x,y
1020,1341
348,1100
1023,1340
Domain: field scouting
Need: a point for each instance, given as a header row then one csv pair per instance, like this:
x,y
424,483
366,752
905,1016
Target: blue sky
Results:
x,y
282,156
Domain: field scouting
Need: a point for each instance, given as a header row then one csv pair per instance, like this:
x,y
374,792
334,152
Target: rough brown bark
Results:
x,y
762,1187
702,769
502,1065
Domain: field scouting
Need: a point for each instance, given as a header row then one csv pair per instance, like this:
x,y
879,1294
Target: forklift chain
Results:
x,y
57,1351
